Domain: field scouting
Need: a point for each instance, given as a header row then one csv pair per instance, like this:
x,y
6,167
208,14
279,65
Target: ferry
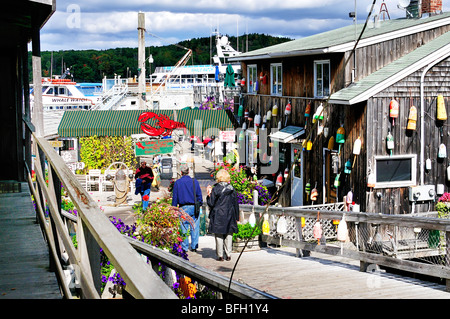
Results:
x,y
60,95
64,94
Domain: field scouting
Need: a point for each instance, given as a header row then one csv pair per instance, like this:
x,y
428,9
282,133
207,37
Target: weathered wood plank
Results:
x,y
24,256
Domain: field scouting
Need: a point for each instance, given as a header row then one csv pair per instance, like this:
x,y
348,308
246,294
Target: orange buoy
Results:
x,y
393,110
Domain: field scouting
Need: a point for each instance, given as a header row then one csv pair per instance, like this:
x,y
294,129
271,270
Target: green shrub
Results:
x,y
246,231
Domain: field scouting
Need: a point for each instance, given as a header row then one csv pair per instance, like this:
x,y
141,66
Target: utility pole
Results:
x,y
141,60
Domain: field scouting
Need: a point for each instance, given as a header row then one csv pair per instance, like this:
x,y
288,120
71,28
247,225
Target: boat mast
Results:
x,y
141,59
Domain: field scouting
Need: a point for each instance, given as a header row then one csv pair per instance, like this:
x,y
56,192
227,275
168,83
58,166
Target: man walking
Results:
x,y
183,195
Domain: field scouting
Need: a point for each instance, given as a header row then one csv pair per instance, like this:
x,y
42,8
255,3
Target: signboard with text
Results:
x,y
227,136
153,147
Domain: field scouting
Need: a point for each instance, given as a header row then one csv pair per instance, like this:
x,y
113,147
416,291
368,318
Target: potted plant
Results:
x,y
443,205
246,234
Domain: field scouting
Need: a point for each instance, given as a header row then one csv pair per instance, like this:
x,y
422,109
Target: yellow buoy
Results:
x,y
412,119
441,112
331,143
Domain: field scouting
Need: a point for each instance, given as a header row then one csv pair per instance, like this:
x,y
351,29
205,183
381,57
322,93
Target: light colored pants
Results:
x,y
224,243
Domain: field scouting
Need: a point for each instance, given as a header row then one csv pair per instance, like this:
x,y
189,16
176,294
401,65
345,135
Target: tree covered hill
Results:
x,y
93,65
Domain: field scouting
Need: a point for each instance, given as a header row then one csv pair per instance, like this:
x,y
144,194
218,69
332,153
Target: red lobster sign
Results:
x,y
166,125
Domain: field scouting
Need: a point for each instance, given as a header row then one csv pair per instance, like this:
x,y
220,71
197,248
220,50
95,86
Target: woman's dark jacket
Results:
x,y
224,209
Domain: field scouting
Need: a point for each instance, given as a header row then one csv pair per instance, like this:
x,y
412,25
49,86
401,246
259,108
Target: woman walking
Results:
x,y
224,214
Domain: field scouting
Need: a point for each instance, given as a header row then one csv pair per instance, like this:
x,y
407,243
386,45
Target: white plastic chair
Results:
x,y
94,178
105,182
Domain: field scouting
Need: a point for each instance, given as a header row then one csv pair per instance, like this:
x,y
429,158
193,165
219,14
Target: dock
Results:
x,y
24,256
279,272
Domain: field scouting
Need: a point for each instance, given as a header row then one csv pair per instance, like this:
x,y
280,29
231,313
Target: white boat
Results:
x,y
60,95
64,94
179,86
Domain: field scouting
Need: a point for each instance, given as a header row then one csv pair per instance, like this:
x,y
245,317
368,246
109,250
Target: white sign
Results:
x,y
76,165
227,136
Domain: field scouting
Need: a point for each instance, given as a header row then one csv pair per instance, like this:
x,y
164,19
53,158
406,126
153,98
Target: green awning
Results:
x,y
79,123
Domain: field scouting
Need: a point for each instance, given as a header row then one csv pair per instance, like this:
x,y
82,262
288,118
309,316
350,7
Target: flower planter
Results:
x,y
252,245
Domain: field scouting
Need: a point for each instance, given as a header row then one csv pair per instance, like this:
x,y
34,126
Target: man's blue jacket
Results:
x,y
183,192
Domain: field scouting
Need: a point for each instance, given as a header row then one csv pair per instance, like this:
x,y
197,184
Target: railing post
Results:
x,y
89,255
57,190
447,258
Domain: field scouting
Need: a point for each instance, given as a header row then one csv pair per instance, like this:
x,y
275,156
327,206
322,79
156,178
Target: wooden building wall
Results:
x,y
407,92
365,120
373,57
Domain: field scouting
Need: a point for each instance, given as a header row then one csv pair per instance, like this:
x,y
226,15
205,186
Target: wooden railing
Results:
x,y
94,231
413,244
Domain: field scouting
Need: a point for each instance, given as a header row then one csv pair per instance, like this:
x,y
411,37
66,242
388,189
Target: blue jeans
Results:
x,y
145,202
185,226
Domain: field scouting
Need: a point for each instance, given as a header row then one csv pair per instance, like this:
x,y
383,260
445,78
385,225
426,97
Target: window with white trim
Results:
x,y
276,79
252,78
395,170
321,78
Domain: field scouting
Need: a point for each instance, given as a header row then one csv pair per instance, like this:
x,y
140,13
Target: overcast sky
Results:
x,y
104,24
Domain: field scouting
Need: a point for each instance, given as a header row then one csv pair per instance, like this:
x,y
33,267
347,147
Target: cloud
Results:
x,y
95,24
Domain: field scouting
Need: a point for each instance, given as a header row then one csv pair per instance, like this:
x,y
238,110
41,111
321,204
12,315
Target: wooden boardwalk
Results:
x,y
277,271
24,255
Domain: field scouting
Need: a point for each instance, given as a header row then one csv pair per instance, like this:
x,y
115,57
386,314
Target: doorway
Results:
x,y
297,175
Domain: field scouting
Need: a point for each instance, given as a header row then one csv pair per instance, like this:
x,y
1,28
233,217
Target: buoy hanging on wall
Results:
x,y
348,167
275,110
287,112
307,113
314,194
318,115
265,225
337,182
390,143
340,137
393,110
356,149
428,164
331,143
442,153
441,111
371,180
412,118
240,113
279,181
307,190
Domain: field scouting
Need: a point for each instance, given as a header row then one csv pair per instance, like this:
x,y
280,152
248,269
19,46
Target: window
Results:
x,y
276,79
395,171
321,78
252,78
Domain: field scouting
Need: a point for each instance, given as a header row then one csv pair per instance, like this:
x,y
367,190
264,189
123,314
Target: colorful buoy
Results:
x,y
393,110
